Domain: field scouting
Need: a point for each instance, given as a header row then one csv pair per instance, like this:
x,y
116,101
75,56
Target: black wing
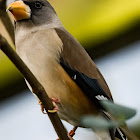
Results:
x,y
88,85
94,92
80,67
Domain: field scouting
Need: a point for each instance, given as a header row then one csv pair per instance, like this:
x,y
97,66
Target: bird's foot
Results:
x,y
42,107
72,132
55,102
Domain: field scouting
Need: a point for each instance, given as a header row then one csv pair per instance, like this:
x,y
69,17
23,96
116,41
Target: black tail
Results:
x,y
120,134
115,132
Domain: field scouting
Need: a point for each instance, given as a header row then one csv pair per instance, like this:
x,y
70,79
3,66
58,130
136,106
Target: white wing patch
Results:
x,y
121,134
74,77
101,97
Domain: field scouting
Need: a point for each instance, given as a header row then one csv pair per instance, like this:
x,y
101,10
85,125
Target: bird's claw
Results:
x,y
54,101
71,133
54,110
42,107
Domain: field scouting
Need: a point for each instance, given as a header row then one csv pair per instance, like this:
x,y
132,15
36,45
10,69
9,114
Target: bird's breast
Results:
x,y
41,55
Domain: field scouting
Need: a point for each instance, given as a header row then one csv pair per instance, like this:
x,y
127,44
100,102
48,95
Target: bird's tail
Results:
x,y
122,133
118,134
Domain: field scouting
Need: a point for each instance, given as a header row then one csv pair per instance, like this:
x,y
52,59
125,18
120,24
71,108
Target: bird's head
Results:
x,y
36,11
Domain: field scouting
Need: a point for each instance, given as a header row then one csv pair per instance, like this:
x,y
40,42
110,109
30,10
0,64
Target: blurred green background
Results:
x,y
97,24
101,26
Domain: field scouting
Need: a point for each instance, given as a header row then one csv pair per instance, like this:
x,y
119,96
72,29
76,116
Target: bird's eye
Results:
x,y
38,5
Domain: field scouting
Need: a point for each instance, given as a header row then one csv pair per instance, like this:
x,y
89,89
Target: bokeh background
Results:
x,y
110,32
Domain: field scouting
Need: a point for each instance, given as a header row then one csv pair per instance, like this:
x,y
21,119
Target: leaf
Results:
x,y
119,111
91,121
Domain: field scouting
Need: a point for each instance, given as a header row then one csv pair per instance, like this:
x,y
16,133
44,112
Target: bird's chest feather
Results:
x,y
41,55
40,52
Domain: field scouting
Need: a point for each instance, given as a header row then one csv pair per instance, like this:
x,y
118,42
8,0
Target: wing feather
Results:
x,y
75,56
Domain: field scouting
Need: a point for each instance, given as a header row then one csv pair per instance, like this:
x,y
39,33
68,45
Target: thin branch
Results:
x,y
36,86
6,20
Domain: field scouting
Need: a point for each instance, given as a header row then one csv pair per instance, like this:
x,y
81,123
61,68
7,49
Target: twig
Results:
x,y
36,86
6,20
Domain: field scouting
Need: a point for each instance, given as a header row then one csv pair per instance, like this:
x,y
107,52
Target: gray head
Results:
x,y
34,11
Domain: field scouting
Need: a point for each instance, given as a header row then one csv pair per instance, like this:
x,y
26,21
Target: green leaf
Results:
x,y
118,111
98,122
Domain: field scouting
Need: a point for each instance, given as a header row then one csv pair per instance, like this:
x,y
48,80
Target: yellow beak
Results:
x,y
19,10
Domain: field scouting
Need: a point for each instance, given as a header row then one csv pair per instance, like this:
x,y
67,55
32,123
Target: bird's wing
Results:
x,y
80,67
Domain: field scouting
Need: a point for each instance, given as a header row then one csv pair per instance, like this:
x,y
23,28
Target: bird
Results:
x,y
68,74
